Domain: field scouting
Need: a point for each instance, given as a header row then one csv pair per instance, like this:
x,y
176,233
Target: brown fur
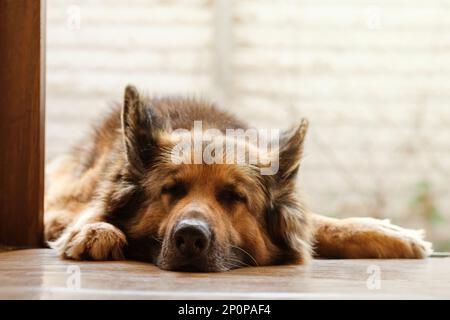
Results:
x,y
118,195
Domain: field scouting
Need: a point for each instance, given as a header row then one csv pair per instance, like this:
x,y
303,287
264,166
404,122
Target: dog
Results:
x,y
122,194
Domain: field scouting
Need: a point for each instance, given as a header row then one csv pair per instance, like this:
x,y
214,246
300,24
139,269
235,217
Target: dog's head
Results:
x,y
205,216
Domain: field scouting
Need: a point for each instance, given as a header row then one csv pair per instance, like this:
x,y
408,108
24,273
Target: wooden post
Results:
x,y
22,94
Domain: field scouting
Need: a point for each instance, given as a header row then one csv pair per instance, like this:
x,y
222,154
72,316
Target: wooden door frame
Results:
x,y
22,122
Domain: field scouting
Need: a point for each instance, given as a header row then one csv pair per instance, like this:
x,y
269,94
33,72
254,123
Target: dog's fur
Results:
x,y
119,196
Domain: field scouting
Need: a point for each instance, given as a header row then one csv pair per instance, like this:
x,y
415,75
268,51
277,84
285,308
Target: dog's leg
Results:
x,y
55,222
90,238
362,238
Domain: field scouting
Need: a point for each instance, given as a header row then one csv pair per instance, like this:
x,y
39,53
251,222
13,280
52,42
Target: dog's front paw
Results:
x,y
94,241
386,240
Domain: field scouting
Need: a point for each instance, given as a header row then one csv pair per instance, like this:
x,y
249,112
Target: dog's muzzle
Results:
x,y
191,245
191,238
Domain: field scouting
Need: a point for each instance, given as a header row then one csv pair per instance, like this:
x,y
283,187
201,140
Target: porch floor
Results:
x,y
41,274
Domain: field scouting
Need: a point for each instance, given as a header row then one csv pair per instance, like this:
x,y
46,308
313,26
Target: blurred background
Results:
x,y
372,76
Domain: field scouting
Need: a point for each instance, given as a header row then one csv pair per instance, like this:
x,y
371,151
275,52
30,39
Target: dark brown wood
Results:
x,y
22,88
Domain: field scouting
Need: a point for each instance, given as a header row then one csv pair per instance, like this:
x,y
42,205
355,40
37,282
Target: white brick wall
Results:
x,y
373,77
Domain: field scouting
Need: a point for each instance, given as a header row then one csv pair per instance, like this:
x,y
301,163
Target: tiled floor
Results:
x,y
40,274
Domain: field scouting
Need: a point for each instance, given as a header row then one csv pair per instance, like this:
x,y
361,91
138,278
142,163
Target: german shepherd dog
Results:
x,y
120,195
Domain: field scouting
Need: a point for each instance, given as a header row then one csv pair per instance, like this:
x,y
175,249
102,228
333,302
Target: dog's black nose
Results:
x,y
192,237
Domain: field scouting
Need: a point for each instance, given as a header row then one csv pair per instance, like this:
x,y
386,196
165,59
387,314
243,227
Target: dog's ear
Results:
x,y
287,219
140,128
291,151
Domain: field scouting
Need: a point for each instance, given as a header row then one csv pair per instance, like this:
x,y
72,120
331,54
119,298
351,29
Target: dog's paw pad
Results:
x,y
382,239
96,241
411,242
419,247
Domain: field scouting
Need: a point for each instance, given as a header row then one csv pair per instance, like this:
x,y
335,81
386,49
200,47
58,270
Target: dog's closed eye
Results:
x,y
230,196
176,190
